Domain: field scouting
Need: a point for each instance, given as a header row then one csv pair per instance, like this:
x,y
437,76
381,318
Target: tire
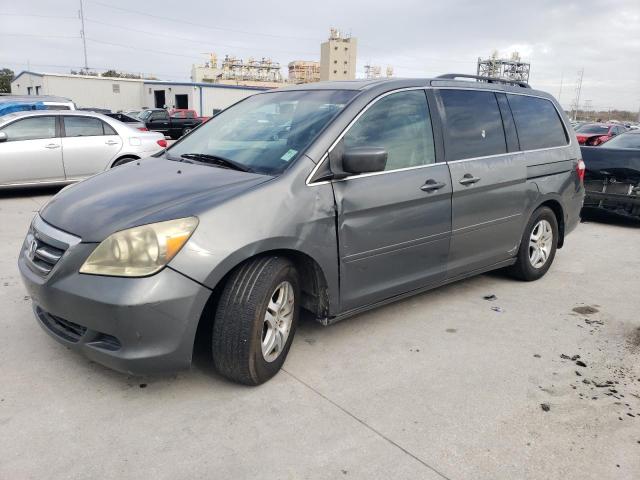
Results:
x,y
186,131
542,220
122,161
241,331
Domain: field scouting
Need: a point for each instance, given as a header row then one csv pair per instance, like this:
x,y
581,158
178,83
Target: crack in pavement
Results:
x,y
365,424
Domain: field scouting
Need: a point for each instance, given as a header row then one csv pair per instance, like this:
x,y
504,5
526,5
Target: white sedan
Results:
x,y
49,147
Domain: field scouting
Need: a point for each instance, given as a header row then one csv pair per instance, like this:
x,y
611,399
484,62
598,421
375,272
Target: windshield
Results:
x,y
626,140
267,132
593,128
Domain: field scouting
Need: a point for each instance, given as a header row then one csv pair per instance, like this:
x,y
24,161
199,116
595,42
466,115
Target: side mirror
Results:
x,y
357,160
3,137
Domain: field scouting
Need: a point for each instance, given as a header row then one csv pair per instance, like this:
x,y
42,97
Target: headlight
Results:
x,y
140,251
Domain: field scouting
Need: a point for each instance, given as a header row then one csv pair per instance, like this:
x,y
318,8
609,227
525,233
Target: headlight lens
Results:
x,y
140,251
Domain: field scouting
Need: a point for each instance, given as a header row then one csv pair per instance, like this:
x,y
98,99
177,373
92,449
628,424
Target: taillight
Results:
x,y
601,140
580,169
143,129
163,143
581,140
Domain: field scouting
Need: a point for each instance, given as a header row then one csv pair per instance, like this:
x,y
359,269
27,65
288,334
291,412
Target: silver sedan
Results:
x,y
59,147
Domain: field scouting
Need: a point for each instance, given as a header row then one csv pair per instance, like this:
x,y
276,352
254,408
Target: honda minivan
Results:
x,y
332,198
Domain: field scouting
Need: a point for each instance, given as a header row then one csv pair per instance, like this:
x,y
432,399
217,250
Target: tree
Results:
x,y
6,75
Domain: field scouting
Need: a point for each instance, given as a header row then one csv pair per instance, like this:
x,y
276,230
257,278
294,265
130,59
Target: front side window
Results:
x,y
399,123
537,122
472,124
82,126
31,129
265,133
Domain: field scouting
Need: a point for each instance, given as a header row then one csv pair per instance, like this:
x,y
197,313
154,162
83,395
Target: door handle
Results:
x,y
52,145
111,142
469,179
432,185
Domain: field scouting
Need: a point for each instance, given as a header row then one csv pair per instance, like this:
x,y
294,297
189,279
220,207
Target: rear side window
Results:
x,y
537,122
472,124
85,127
399,123
31,129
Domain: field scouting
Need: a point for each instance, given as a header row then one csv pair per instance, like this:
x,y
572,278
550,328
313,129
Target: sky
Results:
x,y
418,38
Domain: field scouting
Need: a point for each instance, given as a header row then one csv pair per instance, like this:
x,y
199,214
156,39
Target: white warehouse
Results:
x,y
118,94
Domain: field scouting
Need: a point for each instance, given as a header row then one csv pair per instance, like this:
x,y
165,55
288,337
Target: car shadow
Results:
x,y
24,192
609,218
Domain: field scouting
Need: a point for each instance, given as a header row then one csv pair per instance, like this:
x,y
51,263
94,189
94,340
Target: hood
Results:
x,y
152,190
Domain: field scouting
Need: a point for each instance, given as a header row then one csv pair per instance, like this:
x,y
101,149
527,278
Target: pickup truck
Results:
x,y
159,120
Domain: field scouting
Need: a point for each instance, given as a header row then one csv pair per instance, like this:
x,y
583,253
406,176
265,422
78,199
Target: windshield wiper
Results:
x,y
216,160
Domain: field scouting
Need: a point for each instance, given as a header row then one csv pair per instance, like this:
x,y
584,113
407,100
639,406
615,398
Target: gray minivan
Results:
x,y
330,197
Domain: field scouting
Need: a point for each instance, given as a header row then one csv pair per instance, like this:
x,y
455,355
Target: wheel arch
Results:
x,y
123,156
313,285
558,210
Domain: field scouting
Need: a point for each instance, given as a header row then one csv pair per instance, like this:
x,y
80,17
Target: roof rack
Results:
x,y
453,76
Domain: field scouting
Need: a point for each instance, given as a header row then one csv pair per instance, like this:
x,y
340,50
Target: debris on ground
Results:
x,y
580,363
490,298
537,355
545,407
593,322
585,310
497,309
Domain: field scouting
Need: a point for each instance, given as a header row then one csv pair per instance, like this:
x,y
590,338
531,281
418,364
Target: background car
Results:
x,y
133,122
159,120
19,103
612,177
594,134
60,147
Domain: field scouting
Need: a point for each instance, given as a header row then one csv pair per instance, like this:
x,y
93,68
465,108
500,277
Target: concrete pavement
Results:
x,y
437,386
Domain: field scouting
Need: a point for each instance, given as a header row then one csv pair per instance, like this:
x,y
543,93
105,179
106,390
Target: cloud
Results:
x,y
417,38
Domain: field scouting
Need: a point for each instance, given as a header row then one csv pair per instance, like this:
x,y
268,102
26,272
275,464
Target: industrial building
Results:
x,y
338,57
304,71
509,68
119,94
236,71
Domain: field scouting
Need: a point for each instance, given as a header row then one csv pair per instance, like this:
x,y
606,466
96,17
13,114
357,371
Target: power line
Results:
x,y
193,24
60,17
186,39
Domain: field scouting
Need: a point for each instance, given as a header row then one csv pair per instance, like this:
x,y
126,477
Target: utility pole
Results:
x,y
560,92
84,40
576,101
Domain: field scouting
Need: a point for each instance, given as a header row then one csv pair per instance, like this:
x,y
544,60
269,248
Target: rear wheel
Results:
x,y
538,246
256,320
186,130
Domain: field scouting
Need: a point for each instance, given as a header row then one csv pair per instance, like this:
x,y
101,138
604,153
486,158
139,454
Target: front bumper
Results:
x,y
133,325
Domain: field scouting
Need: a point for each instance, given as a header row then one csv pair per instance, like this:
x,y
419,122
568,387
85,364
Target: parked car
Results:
x,y
133,113
594,134
159,120
133,122
186,113
21,103
376,191
61,147
612,180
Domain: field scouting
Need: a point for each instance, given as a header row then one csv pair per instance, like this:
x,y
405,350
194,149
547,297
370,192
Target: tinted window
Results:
x,y
593,128
627,140
537,122
31,129
82,126
472,124
159,116
399,123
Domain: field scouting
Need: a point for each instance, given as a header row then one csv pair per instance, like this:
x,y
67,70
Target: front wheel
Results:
x,y
256,320
186,131
538,246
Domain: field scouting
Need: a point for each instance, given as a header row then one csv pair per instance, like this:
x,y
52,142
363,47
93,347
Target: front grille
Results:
x,y
65,329
45,245
42,257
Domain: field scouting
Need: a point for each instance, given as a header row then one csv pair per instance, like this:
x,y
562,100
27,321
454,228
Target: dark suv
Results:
x,y
330,197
